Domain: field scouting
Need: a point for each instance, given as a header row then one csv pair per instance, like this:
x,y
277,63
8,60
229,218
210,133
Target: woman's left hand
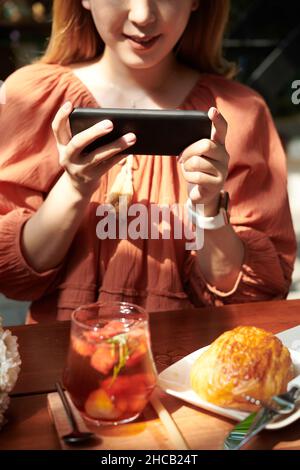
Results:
x,y
205,165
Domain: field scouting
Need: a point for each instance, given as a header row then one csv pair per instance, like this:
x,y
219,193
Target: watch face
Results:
x,y
224,200
225,216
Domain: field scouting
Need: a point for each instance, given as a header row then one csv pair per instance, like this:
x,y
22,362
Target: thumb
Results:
x,y
219,126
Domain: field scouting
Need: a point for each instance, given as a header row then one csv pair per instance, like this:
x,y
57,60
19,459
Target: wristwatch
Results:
x,y
210,223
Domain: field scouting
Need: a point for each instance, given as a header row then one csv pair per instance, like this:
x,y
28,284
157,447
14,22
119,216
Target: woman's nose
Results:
x,y
141,12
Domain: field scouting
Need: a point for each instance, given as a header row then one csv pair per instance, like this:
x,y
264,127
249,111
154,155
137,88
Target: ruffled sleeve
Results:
x,y
28,168
260,212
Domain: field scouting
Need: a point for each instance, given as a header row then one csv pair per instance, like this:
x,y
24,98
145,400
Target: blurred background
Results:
x,y
263,38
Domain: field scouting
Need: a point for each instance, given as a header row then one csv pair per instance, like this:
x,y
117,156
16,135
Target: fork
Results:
x,y
244,431
284,403
281,404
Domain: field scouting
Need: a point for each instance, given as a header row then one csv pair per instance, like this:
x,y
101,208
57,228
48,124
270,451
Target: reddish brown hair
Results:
x,y
74,37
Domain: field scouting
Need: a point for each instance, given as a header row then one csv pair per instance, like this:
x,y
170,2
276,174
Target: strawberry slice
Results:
x,y
126,385
82,347
130,393
109,330
137,403
122,405
112,328
105,357
119,386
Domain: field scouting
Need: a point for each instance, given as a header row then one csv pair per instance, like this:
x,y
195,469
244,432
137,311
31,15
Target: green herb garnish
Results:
x,y
120,342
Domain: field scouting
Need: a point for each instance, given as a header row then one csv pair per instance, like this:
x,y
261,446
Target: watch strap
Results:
x,y
210,223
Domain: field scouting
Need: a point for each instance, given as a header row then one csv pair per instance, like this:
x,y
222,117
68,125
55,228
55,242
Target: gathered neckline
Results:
x,y
92,98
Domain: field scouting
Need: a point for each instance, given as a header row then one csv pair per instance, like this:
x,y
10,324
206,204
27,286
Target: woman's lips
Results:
x,y
143,43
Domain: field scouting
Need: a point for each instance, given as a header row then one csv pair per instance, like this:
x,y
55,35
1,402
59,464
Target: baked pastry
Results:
x,y
243,361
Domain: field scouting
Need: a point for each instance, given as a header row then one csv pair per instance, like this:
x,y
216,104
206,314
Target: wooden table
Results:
x,y
174,335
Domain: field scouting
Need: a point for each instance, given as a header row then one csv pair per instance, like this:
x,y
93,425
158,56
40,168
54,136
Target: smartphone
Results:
x,y
158,132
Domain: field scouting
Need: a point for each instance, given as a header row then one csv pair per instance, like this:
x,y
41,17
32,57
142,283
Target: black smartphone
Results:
x,y
158,132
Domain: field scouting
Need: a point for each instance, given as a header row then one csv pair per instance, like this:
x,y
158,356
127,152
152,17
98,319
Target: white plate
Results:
x,y
175,380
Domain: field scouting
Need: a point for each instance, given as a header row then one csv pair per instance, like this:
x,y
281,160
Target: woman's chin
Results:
x,y
136,62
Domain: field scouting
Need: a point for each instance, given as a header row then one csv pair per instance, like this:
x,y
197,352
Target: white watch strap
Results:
x,y
207,223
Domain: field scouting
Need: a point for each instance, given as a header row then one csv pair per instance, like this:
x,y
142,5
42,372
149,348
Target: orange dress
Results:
x,y
157,274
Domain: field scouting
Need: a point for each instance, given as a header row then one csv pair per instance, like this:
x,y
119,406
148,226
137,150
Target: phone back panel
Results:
x,y
159,132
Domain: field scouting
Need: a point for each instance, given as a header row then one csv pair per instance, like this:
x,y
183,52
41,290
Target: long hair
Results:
x,y
74,37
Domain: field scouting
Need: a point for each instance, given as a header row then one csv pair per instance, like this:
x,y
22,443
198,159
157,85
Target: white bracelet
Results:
x,y
207,223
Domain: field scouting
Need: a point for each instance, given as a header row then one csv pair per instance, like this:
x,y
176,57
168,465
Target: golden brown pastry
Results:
x,y
243,361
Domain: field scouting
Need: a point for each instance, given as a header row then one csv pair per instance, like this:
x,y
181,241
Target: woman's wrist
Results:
x,y
211,207
79,192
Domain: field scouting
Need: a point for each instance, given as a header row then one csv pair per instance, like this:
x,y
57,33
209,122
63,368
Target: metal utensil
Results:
x,y
282,404
255,422
75,436
244,431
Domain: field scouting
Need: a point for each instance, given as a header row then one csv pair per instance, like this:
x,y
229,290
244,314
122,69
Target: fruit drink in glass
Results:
x,y
110,373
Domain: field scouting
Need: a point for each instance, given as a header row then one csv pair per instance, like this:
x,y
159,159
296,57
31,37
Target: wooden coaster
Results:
x,y
146,433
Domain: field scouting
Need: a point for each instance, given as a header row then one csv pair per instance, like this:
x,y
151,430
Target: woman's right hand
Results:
x,y
84,171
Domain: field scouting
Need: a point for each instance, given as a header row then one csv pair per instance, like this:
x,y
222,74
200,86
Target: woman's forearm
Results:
x,y
221,257
49,233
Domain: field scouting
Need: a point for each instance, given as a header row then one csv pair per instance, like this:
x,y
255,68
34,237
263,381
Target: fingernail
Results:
x,y
106,124
67,106
130,138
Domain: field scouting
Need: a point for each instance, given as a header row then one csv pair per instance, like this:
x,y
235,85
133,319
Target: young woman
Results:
x,y
145,54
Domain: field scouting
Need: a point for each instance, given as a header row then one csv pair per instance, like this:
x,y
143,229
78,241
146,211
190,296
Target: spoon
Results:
x,y
75,436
